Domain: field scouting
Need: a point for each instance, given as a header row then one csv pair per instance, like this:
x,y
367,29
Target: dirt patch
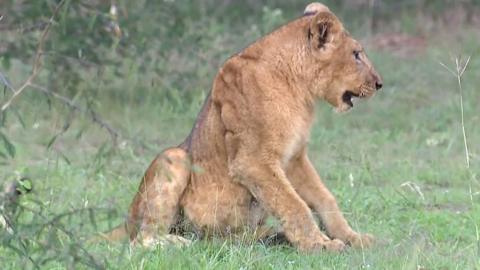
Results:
x,y
400,44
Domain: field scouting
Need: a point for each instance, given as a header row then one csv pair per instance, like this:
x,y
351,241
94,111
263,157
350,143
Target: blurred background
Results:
x,y
117,81
130,51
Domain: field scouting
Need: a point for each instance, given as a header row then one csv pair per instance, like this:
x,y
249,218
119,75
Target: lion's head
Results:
x,y
342,69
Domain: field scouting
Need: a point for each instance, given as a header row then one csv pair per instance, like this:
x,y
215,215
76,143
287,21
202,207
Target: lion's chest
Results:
x,y
296,141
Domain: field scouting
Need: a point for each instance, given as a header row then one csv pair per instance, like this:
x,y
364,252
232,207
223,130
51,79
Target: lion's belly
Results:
x,y
212,201
215,204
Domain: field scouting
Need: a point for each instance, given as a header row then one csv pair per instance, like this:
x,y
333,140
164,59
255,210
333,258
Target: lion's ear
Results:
x,y
324,28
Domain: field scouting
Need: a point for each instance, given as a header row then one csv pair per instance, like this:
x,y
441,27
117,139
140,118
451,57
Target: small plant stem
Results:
x,y
460,71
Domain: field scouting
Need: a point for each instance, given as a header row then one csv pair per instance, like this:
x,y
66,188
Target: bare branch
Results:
x,y
37,63
4,80
24,29
93,115
82,62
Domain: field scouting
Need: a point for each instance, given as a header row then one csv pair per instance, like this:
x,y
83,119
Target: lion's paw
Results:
x,y
334,245
165,240
359,240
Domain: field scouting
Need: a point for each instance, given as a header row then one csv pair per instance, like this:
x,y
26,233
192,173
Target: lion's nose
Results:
x,y
378,80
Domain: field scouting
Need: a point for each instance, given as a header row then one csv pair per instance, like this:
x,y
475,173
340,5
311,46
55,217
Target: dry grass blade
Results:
x,y
460,70
447,68
465,66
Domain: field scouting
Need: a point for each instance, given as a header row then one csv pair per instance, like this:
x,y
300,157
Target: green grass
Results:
x,y
396,163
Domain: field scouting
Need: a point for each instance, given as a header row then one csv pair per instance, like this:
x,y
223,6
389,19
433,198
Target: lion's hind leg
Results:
x,y
155,207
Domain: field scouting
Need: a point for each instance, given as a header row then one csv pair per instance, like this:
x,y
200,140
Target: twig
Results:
x,y
6,82
55,222
37,63
458,73
93,115
22,29
83,62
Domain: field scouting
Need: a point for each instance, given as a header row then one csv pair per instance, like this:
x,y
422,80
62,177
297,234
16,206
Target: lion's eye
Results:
x,y
357,55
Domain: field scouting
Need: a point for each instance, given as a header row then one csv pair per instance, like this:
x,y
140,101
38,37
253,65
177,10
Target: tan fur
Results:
x,y
315,7
246,156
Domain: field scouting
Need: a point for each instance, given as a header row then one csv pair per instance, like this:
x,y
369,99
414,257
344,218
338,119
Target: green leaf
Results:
x,y
25,184
3,118
65,158
64,15
52,140
93,221
79,133
6,62
19,117
8,145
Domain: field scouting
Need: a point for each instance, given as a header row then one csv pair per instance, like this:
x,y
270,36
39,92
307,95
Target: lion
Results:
x,y
246,156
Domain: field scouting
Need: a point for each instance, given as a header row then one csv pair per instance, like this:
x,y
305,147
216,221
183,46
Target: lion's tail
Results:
x,y
117,234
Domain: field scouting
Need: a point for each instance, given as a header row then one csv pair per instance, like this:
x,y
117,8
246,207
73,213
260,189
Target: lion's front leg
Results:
x,y
308,184
271,188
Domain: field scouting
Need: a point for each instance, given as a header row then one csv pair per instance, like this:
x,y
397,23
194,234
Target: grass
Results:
x,y
396,164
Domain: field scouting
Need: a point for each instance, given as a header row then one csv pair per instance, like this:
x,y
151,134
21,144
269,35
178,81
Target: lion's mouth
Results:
x,y
348,96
